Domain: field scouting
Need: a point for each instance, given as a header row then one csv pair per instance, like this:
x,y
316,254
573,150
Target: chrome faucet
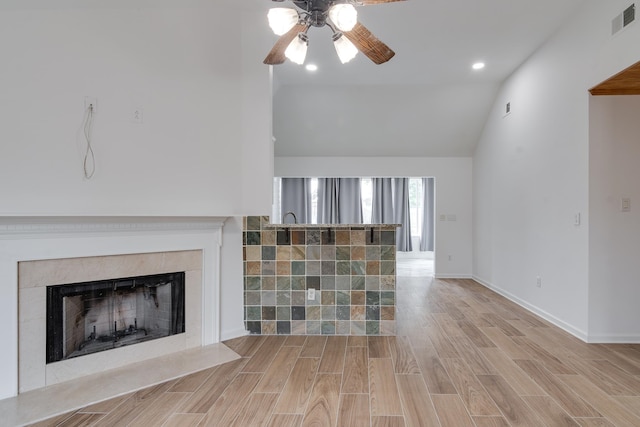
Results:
x,y
295,220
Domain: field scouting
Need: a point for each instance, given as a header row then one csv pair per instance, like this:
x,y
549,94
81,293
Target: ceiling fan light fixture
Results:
x,y
340,16
282,19
344,48
297,49
344,16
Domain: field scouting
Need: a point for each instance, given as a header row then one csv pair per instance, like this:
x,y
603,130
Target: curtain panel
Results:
x,y
428,214
339,201
328,200
402,214
382,201
296,198
349,201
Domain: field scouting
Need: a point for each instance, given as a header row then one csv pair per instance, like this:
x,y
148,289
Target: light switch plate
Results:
x,y
625,206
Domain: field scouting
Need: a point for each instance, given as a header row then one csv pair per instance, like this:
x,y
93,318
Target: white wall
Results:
x,y
197,86
394,120
204,148
614,240
257,118
453,195
232,281
531,169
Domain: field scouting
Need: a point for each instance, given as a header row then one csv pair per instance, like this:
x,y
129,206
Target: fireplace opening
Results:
x,y
89,317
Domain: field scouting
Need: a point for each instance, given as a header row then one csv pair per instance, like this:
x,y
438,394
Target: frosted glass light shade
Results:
x,y
344,16
297,49
345,49
282,19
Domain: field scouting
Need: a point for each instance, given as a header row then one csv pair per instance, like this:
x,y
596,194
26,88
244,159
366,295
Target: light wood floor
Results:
x,y
464,356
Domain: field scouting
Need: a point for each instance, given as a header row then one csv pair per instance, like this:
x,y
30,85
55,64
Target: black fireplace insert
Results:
x,y
89,317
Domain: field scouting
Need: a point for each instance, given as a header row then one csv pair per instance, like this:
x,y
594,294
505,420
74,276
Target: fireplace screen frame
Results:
x,y
56,294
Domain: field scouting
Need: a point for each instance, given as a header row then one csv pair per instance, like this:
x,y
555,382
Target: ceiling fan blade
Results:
x,y
369,44
276,56
369,2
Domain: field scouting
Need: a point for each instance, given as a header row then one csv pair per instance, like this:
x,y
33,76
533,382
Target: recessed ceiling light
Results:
x,y
312,67
478,66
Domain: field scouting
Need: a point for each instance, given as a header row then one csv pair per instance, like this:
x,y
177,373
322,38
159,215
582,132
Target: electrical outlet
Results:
x,y
539,282
311,294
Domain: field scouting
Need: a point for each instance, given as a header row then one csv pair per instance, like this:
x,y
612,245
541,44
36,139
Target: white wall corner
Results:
x,y
232,282
576,332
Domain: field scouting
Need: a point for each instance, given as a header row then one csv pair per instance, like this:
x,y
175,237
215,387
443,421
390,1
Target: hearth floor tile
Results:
x,y
49,401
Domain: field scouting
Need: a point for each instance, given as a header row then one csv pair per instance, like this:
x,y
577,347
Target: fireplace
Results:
x,y
90,317
143,275
38,252
40,281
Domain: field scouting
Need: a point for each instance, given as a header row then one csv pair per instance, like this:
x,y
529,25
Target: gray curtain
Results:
x,y
428,214
339,201
328,200
296,198
402,216
382,201
349,201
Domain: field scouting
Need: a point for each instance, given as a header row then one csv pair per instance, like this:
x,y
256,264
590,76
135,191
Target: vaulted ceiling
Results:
x,y
426,101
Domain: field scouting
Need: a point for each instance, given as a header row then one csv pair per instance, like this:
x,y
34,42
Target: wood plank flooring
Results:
x,y
463,357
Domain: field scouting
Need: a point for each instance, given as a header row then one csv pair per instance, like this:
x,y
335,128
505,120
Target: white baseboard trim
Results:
x,y
614,339
236,333
453,276
536,310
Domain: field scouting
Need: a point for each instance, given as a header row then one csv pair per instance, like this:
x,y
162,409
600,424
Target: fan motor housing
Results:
x,y
314,5
317,10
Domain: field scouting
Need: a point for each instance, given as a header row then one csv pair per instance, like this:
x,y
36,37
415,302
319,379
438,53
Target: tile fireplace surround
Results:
x,y
35,276
36,252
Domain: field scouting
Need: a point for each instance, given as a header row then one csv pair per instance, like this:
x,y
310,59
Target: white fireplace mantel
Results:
x,y
46,238
26,227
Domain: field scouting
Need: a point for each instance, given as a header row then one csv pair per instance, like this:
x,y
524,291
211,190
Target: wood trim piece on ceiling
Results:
x,y
626,82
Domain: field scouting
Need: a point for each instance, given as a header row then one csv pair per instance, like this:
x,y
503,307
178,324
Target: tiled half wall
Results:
x,y
351,267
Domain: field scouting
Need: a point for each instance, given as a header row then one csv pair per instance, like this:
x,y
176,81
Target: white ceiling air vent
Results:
x,y
624,19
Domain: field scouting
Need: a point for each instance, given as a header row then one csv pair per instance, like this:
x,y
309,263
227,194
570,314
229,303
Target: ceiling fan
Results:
x,y
349,35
